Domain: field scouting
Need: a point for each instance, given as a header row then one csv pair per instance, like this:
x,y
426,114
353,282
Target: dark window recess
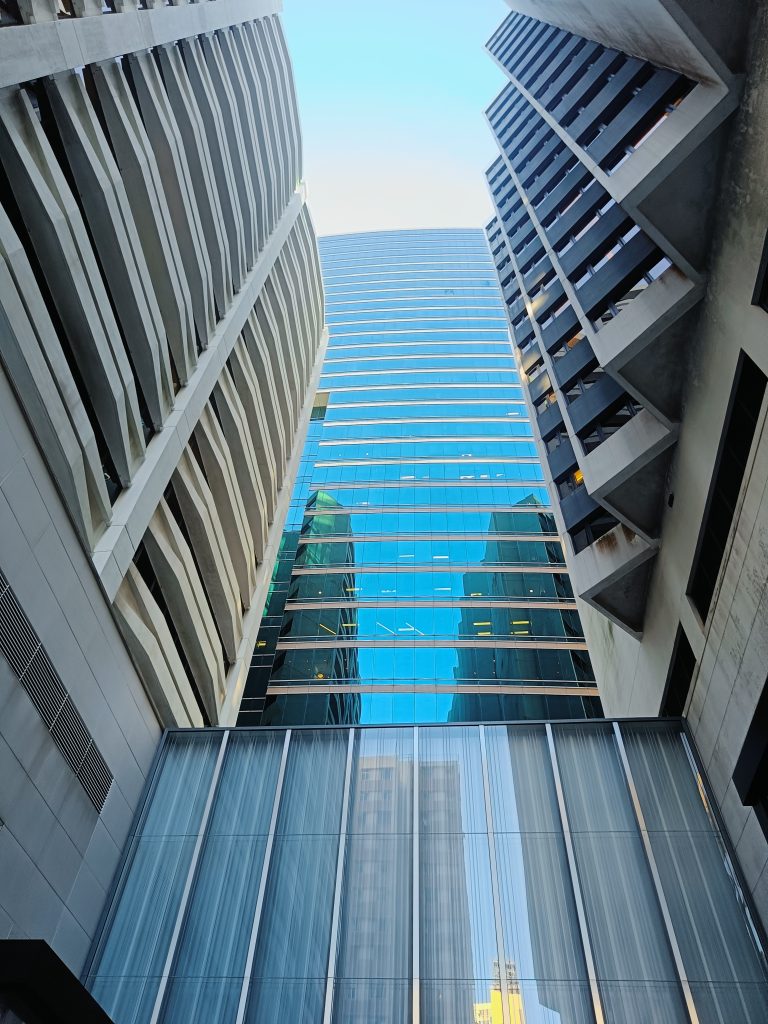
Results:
x,y
750,776
760,297
679,677
730,465
600,523
144,566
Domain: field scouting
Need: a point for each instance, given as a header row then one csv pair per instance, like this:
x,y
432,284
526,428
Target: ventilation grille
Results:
x,y
25,654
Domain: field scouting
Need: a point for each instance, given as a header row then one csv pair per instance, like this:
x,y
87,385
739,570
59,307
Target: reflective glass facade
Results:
x,y
420,576
361,875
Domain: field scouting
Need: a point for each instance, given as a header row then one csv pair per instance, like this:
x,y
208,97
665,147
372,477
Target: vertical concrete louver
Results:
x,y
161,310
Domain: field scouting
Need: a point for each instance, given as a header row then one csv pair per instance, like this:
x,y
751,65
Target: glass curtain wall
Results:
x,y
420,577
568,873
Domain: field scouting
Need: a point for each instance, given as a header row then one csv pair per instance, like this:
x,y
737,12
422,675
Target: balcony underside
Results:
x,y
612,575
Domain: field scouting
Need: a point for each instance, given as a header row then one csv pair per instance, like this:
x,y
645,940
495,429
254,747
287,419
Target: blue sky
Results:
x,y
392,94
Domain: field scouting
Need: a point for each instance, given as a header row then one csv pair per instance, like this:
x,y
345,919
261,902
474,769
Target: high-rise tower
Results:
x,y
161,314
420,577
630,243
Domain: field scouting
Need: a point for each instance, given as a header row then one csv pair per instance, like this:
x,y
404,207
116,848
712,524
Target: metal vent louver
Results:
x,y
25,654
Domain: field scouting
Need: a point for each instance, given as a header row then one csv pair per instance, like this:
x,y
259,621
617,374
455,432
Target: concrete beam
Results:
x,y
48,47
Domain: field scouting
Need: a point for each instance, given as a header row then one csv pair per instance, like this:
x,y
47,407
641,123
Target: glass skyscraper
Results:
x,y
420,576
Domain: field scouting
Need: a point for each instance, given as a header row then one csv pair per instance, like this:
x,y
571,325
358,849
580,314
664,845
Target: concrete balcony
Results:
x,y
626,474
643,348
561,460
612,575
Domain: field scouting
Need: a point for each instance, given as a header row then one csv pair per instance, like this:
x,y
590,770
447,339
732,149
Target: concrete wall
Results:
x,y
732,646
161,334
57,854
701,38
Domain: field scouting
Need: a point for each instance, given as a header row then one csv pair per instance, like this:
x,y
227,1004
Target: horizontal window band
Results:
x,y
587,690
423,567
402,371
484,323
392,509
368,288
339,424
416,297
409,602
403,261
475,460
488,333
425,484
489,439
412,356
539,643
467,386
416,402
433,309
415,538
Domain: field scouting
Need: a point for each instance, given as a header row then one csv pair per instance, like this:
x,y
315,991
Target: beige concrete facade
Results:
x,y
731,646
161,332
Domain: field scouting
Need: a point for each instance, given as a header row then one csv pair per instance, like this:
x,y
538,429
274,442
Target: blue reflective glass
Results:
x,y
420,547
445,298
340,348
401,664
376,469
395,582
403,550
346,619
417,448
477,316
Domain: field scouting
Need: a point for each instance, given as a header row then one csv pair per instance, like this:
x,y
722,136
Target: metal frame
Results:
x,y
139,816
191,872
503,984
650,857
742,891
415,928
597,1005
333,948
248,966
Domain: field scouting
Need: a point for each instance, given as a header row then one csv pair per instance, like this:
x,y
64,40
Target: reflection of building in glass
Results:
x,y
447,953
492,1012
420,533
541,607
370,909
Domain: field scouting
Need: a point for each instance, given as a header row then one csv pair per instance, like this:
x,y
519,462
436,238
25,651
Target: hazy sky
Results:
x,y
391,96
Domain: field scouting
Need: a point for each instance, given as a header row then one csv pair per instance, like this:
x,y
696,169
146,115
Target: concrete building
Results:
x,y
632,209
161,326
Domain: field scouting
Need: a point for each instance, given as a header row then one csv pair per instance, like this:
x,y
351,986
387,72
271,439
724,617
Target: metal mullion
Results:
x,y
340,859
187,890
597,1005
650,857
503,982
245,989
415,936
